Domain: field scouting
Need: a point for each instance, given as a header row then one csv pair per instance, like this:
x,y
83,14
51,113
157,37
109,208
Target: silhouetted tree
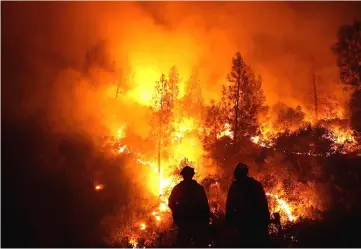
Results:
x,y
243,98
348,52
355,107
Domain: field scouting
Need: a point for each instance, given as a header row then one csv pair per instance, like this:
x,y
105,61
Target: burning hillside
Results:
x,y
130,93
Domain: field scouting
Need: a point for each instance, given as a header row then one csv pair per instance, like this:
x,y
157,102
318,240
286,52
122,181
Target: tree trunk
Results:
x,y
236,108
315,91
160,131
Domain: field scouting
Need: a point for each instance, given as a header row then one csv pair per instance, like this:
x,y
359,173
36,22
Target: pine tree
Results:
x,y
174,81
163,101
162,104
193,101
348,52
243,97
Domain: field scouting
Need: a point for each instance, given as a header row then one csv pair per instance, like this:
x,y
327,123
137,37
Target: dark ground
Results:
x,y
41,205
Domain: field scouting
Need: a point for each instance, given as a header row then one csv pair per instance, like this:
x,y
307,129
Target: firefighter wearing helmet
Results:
x,y
190,210
247,209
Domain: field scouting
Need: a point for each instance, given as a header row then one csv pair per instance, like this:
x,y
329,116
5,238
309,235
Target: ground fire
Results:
x,y
290,209
137,91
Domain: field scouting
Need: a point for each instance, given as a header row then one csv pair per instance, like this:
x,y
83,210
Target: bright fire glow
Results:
x,y
121,132
185,142
122,149
142,226
226,131
284,206
133,242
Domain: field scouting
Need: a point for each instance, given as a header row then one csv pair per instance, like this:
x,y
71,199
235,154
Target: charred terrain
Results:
x,y
104,103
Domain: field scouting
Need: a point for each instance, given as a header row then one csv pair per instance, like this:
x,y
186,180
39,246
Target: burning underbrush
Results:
x,y
293,191
287,154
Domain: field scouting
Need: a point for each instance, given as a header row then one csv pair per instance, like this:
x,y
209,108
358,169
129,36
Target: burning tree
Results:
x,y
174,81
163,101
213,124
243,98
348,52
192,100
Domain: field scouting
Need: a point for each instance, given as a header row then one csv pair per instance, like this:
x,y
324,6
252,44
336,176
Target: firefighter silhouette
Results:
x,y
247,209
190,210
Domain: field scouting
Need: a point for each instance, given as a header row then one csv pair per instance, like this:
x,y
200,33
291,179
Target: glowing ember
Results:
x,y
142,226
133,243
255,139
122,149
99,187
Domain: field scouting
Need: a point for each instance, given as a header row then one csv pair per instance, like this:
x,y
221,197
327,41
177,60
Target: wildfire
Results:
x,y
262,141
167,180
184,143
186,125
342,137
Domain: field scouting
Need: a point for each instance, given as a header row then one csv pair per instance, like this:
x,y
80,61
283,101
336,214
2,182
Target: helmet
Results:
x,y
241,170
187,171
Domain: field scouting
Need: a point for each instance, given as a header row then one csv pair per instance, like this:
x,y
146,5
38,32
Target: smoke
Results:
x,y
277,39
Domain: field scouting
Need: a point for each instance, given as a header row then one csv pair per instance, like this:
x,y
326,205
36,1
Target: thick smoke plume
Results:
x,y
277,39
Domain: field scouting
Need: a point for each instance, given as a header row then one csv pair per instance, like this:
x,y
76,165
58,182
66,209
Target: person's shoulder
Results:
x,y
179,185
255,182
196,184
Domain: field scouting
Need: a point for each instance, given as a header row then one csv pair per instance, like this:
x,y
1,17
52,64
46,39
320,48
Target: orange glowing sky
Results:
x,y
278,39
